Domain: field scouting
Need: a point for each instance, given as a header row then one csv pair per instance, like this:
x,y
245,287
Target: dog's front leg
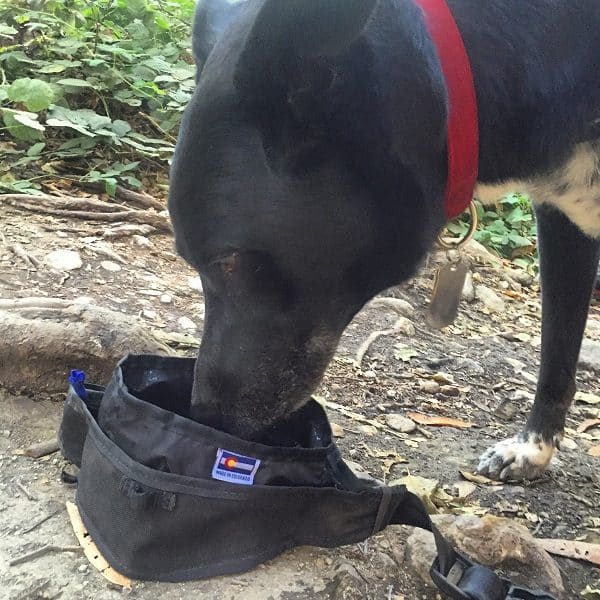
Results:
x,y
568,263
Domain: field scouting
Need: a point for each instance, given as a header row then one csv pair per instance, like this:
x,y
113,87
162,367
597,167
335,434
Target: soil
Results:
x,y
486,363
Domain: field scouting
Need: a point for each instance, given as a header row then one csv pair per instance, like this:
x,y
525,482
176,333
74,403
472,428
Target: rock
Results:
x,y
516,364
450,390
470,366
444,378
405,327
64,260
589,357
400,423
186,323
141,241
568,444
492,301
149,314
43,338
368,429
429,387
109,265
593,326
480,254
195,283
468,291
165,299
521,276
491,541
347,584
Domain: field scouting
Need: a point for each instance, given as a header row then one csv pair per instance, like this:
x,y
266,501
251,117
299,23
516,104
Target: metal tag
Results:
x,y
447,291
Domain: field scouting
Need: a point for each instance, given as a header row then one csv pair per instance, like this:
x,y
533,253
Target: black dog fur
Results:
x,y
309,175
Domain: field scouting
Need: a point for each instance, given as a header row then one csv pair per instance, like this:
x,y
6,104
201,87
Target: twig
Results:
x,y
103,251
41,521
21,253
397,328
42,448
41,552
65,202
157,127
26,491
127,229
42,302
143,200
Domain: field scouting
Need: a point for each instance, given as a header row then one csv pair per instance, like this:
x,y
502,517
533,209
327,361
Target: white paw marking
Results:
x,y
520,457
573,188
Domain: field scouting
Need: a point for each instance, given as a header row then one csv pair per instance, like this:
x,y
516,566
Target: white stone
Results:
x,y
400,423
64,260
195,283
186,323
492,301
166,299
142,241
109,265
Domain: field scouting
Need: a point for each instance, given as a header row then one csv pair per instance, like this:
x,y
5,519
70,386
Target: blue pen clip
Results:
x,y
77,379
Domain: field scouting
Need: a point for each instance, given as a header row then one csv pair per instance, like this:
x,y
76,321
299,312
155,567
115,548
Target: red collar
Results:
x,y
463,130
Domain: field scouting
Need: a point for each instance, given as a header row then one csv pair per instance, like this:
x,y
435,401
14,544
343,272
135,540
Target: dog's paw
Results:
x,y
524,456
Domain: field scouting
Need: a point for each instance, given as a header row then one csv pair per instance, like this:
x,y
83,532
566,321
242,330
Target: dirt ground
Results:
x,y
485,366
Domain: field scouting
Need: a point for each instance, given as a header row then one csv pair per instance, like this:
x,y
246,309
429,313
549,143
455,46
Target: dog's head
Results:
x,y
302,185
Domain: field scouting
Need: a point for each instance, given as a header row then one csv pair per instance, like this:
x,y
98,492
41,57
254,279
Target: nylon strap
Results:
x,y
463,125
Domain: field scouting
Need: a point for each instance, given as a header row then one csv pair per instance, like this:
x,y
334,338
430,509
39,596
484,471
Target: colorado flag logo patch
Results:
x,y
235,468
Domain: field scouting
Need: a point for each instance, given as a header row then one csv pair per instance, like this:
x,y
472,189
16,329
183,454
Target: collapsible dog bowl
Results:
x,y
167,498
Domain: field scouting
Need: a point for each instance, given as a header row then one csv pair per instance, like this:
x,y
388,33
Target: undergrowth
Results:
x,y
91,90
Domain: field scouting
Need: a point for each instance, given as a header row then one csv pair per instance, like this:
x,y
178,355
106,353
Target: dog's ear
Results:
x,y
292,40
211,19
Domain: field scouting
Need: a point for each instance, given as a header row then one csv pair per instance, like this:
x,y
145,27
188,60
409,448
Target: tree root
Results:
x,y
85,208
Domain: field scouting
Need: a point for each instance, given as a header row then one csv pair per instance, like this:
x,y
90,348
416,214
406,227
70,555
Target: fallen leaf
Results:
x,y
443,378
439,421
587,397
588,424
594,451
476,478
590,593
404,353
465,488
91,551
522,337
572,549
422,487
337,430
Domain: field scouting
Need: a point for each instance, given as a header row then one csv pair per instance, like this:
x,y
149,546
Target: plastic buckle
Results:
x,y
449,584
521,593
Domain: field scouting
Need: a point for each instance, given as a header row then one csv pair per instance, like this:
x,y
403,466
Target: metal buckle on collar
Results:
x,y
468,581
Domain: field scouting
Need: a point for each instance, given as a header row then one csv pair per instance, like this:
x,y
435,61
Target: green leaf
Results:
x,y
20,130
74,83
110,185
35,94
7,30
36,149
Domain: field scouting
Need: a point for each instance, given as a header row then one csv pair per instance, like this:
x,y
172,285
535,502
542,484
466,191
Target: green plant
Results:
x,y
101,85
509,229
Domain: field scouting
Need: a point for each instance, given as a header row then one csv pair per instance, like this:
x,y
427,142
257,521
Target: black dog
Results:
x,y
310,170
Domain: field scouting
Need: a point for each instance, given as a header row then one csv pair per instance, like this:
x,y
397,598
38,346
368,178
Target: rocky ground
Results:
x,y
476,378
